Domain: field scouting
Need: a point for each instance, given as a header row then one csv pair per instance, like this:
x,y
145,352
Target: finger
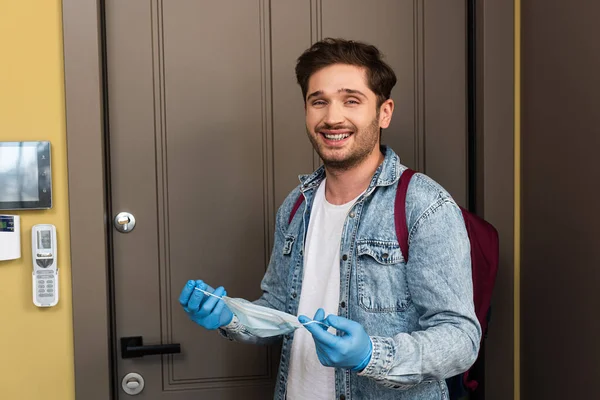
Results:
x,y
196,300
318,319
303,319
321,336
200,284
319,315
186,293
343,324
219,307
209,305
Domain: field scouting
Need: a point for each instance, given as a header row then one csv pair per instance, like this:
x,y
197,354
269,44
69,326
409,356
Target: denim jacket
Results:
x,y
419,314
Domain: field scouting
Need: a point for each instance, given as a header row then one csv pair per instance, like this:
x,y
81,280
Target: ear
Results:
x,y
385,113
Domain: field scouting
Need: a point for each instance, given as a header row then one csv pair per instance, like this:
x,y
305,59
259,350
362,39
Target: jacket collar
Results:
x,y
386,174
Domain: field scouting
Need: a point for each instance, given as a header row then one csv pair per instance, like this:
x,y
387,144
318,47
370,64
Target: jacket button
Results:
x,y
344,257
385,256
343,304
352,214
342,397
294,295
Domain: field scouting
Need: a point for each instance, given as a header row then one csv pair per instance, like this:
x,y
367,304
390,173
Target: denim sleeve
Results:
x,y
440,284
273,285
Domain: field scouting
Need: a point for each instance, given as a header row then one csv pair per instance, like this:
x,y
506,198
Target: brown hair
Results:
x,y
380,76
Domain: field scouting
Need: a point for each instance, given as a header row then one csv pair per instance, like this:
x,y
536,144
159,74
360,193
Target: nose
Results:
x,y
334,115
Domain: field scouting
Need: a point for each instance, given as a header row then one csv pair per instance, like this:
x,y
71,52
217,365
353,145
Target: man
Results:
x,y
399,328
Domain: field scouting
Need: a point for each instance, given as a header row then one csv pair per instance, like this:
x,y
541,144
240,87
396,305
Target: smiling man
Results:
x,y
387,328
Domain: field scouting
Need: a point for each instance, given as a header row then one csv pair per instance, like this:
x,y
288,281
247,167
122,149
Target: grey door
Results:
x,y
206,128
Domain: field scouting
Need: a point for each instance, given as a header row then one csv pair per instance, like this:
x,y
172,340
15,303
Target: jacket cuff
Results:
x,y
233,327
382,358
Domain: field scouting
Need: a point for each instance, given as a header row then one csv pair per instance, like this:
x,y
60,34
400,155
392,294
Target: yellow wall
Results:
x,y
36,360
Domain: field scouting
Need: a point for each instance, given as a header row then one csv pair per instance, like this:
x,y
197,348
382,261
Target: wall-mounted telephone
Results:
x,y
45,267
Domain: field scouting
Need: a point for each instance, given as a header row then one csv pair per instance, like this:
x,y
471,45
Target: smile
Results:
x,y
340,136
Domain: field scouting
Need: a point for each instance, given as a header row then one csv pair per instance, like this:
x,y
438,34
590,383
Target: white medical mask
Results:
x,y
261,321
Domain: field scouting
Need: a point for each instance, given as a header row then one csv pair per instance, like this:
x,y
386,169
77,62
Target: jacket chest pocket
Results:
x,y
381,270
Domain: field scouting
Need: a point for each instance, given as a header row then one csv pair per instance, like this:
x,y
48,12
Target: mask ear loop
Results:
x,y
317,322
307,323
208,293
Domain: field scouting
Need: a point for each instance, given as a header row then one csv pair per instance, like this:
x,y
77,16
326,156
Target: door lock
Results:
x,y
124,222
133,383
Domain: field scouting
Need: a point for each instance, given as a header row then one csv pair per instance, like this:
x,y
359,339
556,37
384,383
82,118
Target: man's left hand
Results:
x,y
352,350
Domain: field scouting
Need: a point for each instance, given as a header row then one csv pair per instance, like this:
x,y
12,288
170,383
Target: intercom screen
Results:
x,y
19,174
25,175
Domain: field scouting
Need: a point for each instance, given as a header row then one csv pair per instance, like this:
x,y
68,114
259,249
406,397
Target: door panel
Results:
x,y
182,109
215,114
425,43
444,94
207,137
391,26
291,23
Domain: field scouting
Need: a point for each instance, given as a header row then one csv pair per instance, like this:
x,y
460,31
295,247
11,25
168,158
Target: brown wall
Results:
x,y
560,271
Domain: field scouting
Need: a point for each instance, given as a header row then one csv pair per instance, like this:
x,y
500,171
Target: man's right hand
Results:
x,y
205,310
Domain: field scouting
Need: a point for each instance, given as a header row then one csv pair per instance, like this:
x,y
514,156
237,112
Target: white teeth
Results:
x,y
337,137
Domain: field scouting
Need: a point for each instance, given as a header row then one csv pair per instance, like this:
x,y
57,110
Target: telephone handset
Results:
x,y
45,265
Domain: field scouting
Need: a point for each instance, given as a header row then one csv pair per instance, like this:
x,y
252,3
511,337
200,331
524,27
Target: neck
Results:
x,y
343,186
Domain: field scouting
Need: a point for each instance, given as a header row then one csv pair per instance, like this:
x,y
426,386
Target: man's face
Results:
x,y
342,117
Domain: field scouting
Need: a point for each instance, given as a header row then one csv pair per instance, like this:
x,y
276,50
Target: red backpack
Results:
x,y
484,254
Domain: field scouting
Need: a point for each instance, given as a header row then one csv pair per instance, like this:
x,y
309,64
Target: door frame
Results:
x,y
496,156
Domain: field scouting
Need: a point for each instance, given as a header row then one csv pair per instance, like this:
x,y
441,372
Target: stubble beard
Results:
x,y
365,142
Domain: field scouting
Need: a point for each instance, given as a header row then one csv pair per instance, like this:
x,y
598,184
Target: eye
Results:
x,y
318,103
352,101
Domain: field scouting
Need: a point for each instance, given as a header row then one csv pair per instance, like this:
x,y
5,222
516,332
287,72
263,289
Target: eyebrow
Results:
x,y
342,90
314,94
352,91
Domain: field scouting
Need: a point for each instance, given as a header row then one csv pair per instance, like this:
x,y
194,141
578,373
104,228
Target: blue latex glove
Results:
x,y
205,310
351,351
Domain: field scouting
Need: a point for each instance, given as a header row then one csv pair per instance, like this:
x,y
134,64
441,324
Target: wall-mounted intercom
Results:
x,y
45,267
25,176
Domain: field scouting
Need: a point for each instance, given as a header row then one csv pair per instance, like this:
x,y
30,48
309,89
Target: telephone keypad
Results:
x,y
45,281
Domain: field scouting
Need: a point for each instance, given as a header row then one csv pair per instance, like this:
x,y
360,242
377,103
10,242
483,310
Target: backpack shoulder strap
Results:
x,y
297,204
400,211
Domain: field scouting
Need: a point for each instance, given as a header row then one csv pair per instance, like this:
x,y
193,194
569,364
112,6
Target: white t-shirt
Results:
x,y
307,378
